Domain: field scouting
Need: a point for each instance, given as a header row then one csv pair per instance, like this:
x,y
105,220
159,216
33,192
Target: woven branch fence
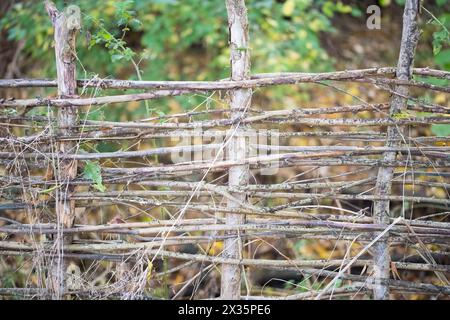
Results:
x,y
372,155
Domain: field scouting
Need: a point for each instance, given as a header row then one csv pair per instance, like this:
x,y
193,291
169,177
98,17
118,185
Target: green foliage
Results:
x,y
443,59
163,30
441,35
439,38
93,172
330,7
284,35
125,15
117,47
178,40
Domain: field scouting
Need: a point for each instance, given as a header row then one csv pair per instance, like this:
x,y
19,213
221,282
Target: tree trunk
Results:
x,y
66,25
237,147
410,37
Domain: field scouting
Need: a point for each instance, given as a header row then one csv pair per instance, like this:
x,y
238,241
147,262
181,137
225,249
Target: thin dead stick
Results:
x,y
222,164
404,83
78,102
117,154
285,160
139,174
308,197
356,74
352,289
442,277
364,250
294,265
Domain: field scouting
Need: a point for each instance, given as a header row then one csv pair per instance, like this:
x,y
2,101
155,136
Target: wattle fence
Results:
x,y
206,203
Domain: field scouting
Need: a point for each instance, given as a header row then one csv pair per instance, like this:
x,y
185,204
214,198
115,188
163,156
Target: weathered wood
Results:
x,y
237,146
292,226
66,25
382,122
70,100
381,255
261,115
438,152
256,80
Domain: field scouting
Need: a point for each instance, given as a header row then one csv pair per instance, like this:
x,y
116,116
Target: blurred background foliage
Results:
x,y
166,33
165,36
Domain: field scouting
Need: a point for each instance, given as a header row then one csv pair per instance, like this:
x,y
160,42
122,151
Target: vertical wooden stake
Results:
x,y
410,37
66,25
237,147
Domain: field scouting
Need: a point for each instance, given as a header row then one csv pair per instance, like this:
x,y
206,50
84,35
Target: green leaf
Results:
x,y
99,187
116,57
338,283
106,36
327,8
135,23
441,129
340,7
92,171
439,39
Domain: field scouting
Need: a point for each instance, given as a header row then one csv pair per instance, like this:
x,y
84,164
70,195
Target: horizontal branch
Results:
x,y
423,151
78,102
294,226
381,122
139,134
304,267
257,80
